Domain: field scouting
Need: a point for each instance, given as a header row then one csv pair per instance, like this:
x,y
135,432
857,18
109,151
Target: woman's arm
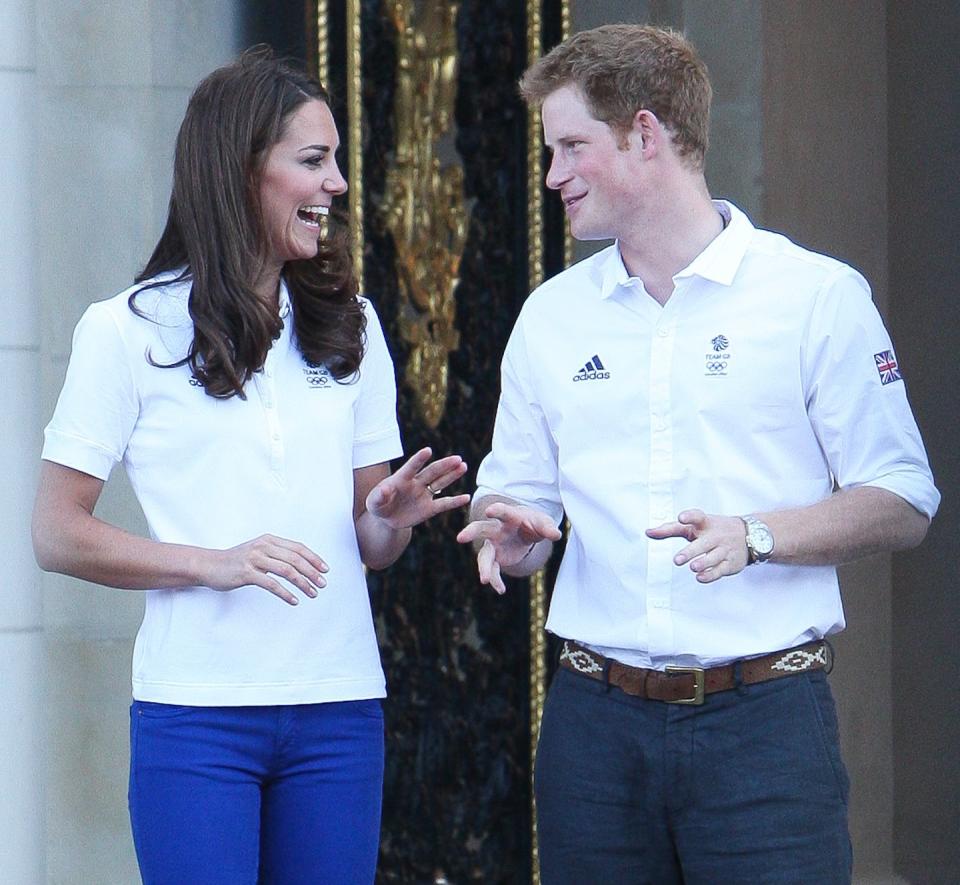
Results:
x,y
380,545
69,539
387,506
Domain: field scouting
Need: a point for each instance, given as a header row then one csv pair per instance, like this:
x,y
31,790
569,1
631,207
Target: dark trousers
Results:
x,y
747,788
284,795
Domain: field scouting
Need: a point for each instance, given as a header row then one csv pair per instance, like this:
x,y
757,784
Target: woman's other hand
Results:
x,y
387,506
414,493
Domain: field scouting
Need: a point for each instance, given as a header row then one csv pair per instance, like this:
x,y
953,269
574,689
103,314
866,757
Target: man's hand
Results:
x,y
718,544
504,537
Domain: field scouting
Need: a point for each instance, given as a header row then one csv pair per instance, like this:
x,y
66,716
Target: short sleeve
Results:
x,y
376,434
523,460
857,399
98,405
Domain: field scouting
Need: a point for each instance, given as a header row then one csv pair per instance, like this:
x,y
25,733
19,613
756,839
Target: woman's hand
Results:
x,y
413,494
254,562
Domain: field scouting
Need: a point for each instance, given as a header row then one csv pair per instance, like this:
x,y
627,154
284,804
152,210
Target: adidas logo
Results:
x,y
593,370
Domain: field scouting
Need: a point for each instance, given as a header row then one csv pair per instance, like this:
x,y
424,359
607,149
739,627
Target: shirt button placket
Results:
x,y
268,399
661,505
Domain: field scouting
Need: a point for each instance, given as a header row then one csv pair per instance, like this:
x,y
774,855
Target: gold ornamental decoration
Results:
x,y
424,205
536,272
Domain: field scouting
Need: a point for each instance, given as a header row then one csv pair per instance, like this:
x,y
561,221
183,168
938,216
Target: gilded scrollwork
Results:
x,y
424,205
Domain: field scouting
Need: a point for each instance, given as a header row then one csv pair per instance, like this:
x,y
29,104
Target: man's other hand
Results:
x,y
718,544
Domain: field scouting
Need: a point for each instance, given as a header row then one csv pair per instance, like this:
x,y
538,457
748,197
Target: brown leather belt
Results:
x,y
688,685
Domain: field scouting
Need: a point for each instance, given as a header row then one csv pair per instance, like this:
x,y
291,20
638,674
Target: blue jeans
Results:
x,y
288,795
747,788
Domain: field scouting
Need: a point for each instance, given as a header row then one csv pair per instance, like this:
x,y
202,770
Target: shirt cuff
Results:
x,y
916,490
78,454
554,511
377,449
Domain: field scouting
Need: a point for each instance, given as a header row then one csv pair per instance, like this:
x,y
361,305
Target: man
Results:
x,y
721,417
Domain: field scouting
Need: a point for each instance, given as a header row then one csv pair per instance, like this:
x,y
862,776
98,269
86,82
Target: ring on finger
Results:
x,y
432,490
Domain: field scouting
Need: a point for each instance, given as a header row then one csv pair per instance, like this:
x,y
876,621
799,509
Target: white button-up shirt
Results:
x,y
216,473
765,378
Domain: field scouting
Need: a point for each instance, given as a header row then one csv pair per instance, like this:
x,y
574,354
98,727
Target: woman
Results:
x,y
250,395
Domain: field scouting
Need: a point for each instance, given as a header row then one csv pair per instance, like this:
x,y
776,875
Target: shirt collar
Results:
x,y
613,272
719,262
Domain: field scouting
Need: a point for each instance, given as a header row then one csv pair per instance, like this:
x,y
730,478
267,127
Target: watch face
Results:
x,y
761,540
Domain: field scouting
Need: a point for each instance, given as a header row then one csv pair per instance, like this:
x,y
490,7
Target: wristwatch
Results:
x,y
759,540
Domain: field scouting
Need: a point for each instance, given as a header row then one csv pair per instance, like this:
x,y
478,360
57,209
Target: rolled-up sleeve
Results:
x,y
523,461
857,398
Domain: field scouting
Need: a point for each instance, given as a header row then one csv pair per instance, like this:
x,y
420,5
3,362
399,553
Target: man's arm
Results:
x,y
869,438
850,524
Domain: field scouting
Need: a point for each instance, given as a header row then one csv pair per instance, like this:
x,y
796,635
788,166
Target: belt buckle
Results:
x,y
698,683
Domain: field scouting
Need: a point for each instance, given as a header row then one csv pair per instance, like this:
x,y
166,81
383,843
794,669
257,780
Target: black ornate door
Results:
x,y
450,233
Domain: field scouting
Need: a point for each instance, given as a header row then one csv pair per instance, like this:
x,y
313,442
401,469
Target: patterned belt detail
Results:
x,y
688,685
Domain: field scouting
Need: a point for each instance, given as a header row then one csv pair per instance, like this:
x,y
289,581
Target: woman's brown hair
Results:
x,y
214,237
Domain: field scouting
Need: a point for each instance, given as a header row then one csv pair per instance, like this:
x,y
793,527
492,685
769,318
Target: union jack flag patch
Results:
x,y
887,367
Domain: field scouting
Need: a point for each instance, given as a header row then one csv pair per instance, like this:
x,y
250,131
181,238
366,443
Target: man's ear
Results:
x,y
648,133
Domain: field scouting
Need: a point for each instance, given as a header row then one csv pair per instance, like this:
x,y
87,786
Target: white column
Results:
x,y
21,634
114,79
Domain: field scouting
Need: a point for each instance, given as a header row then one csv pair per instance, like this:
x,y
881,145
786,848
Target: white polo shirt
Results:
x,y
766,376
216,473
